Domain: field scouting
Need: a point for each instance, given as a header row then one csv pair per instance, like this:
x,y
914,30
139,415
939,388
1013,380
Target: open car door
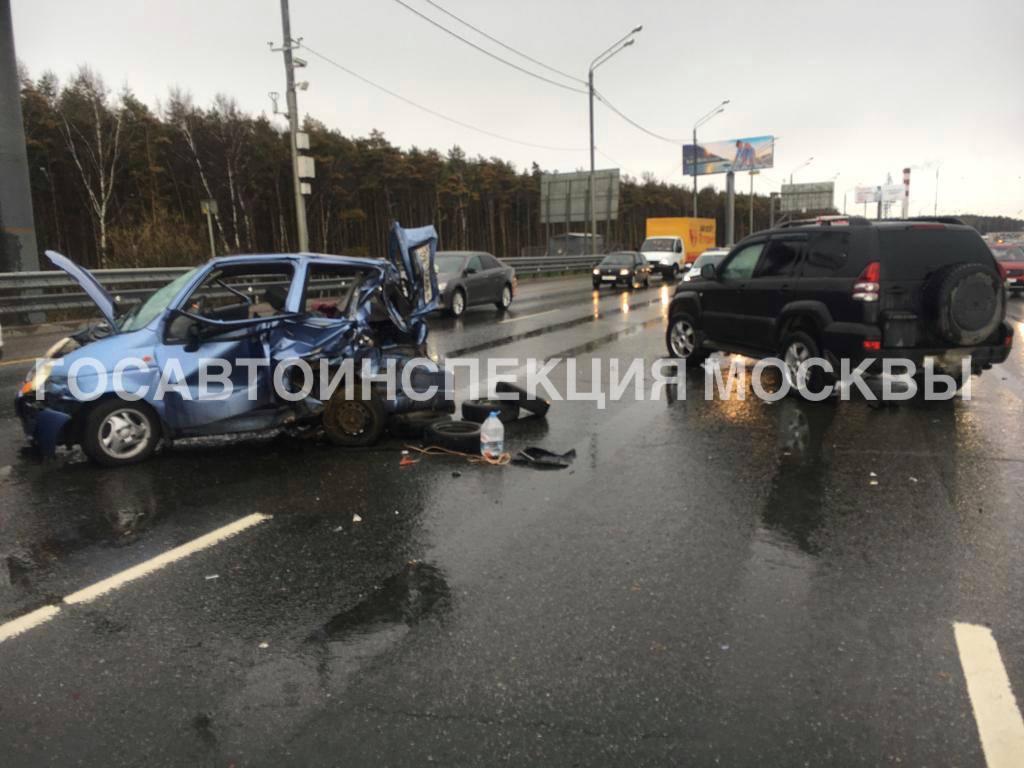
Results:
x,y
413,251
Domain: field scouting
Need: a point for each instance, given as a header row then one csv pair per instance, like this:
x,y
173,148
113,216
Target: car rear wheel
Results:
x,y
797,348
505,301
355,422
119,432
683,339
458,305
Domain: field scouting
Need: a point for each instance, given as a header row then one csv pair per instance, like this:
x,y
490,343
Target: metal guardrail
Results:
x,y
52,291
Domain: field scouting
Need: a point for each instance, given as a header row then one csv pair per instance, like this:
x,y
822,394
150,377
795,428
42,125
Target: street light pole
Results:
x,y
804,164
716,111
591,223
752,175
623,42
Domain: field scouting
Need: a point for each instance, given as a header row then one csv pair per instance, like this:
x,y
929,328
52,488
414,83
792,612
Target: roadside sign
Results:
x,y
800,198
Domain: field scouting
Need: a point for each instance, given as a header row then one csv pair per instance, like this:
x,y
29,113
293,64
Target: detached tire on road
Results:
x,y
477,411
966,303
538,406
414,425
462,436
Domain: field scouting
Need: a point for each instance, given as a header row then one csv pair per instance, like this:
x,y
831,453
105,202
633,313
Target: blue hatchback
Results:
x,y
120,387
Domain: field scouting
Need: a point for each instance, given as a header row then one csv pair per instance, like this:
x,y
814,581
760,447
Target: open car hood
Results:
x,y
413,251
92,287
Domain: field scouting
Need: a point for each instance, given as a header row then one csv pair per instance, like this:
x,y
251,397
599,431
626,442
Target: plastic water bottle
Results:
x,y
492,437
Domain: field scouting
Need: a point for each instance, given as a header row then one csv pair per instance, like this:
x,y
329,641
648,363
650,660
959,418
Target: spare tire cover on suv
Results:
x,y
965,303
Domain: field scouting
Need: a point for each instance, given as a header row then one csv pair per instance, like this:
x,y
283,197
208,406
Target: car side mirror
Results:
x,y
679,247
708,272
468,271
193,337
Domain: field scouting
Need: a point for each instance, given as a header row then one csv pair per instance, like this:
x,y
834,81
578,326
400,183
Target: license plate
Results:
x,y
609,278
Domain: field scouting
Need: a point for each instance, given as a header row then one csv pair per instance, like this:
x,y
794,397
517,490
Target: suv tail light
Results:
x,y
866,287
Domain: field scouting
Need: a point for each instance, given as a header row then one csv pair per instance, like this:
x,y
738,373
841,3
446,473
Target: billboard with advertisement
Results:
x,y
750,154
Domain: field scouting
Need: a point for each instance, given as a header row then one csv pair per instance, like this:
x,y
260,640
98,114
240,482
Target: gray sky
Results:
x,y
865,88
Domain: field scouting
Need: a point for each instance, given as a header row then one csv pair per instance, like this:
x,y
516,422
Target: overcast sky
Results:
x,y
866,88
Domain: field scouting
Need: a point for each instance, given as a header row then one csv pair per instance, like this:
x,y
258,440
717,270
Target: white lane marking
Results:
x,y
153,564
995,709
26,622
527,317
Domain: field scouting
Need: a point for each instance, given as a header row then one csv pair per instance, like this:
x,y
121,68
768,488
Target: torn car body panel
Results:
x,y
256,314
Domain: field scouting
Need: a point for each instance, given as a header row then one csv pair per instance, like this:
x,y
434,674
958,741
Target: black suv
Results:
x,y
847,287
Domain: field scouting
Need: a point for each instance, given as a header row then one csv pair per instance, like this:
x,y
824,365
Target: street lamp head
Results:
x,y
637,29
628,43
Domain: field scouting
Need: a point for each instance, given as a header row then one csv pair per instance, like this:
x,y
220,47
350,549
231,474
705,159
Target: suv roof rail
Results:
x,y
937,219
827,221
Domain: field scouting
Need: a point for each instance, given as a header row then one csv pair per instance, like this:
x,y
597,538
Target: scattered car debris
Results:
x,y
545,459
213,576
264,645
356,519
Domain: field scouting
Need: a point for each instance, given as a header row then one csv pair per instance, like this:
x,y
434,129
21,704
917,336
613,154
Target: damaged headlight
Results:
x,y
37,377
442,286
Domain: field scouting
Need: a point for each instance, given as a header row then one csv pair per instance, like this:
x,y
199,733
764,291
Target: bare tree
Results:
x,y
92,131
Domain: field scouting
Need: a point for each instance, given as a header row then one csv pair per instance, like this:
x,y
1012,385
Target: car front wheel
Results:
x,y
119,432
683,339
458,304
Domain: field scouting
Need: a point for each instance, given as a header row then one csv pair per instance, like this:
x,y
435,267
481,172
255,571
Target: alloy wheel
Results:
x,y
683,338
125,433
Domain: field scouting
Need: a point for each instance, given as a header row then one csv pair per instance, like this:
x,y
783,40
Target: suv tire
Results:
x,y
965,302
796,347
683,338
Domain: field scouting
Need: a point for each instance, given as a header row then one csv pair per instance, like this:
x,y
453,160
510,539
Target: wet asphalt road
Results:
x,y
710,583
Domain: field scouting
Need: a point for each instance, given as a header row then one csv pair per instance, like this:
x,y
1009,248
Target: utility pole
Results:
x,y
293,124
18,249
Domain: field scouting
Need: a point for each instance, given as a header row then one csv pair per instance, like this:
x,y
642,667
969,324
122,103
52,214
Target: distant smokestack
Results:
x,y
18,250
906,192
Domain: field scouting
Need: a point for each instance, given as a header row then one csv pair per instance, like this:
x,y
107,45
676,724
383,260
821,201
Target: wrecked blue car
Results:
x,y
214,352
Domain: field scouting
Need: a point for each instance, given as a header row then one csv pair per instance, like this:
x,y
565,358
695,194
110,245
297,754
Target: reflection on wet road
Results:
x,y
728,581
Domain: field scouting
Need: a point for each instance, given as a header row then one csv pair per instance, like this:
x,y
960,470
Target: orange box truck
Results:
x,y
676,241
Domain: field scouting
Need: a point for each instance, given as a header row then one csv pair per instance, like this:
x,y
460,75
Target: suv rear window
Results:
x,y
826,254
912,254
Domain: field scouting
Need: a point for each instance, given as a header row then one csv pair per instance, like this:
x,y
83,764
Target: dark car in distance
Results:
x,y
469,278
845,287
628,268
